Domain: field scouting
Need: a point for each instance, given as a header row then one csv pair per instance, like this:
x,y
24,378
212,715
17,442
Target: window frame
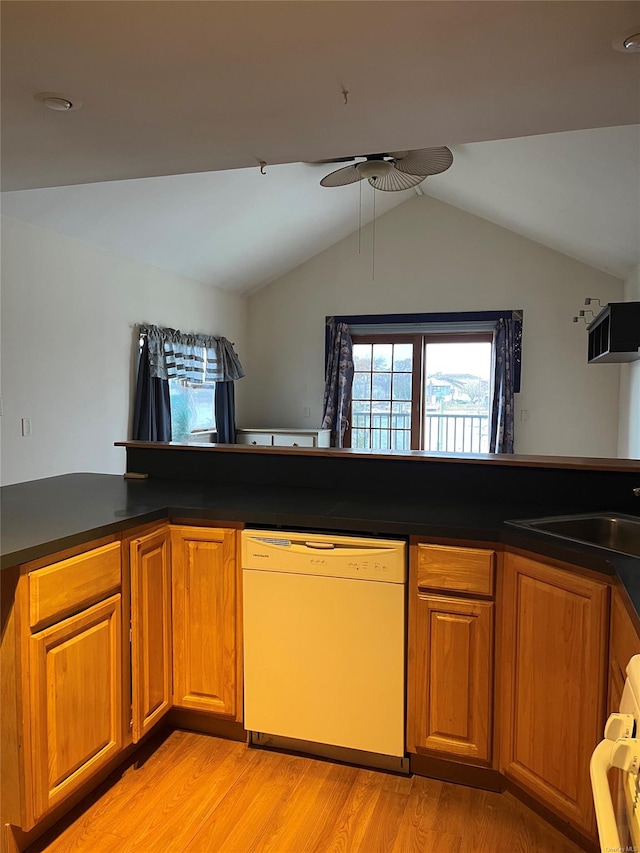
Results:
x,y
419,341
415,379
427,323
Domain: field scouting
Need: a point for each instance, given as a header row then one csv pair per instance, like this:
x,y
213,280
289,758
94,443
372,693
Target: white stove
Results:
x,y
619,822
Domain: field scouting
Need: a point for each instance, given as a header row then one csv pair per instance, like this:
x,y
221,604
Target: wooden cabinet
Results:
x,y
554,642
454,676
62,709
623,645
151,652
624,642
284,437
205,599
451,636
614,336
76,724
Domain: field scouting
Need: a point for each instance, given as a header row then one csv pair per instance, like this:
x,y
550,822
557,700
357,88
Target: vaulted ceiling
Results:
x,y
192,89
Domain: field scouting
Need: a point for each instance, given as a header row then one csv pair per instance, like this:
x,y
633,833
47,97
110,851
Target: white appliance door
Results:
x,y
324,660
619,823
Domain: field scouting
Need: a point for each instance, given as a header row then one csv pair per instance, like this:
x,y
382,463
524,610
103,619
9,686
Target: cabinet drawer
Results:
x,y
259,438
65,587
293,440
456,569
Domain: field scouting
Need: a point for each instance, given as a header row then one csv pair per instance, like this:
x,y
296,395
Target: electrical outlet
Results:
x,y
524,414
26,427
306,412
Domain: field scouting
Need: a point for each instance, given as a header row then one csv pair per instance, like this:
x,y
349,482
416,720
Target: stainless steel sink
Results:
x,y
614,532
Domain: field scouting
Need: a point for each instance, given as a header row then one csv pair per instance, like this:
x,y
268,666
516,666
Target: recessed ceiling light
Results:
x,y
59,103
632,43
628,43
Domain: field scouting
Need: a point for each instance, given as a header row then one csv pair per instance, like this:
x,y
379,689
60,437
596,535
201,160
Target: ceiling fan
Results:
x,y
392,172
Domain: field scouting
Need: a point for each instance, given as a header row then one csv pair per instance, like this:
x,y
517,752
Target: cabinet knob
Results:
x,y
254,442
295,444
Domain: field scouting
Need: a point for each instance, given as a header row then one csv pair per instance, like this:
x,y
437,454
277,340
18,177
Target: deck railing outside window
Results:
x,y
445,433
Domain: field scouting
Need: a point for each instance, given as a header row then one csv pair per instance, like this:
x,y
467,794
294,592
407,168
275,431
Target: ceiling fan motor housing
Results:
x,y
372,169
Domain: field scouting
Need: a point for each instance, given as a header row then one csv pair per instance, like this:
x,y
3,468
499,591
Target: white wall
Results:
x,y
68,317
629,436
429,257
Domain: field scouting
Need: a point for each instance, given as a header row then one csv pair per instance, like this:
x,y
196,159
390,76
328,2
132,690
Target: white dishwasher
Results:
x,y
324,645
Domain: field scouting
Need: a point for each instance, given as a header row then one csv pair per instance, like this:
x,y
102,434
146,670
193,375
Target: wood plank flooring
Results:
x,y
192,793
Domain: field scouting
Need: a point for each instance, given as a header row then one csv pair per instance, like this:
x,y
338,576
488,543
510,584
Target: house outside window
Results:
x,y
425,381
421,392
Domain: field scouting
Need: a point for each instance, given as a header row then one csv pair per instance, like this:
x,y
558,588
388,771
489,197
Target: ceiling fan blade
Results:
x,y
396,181
423,161
341,177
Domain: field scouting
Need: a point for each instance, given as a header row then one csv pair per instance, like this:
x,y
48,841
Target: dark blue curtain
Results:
x,y
338,382
506,347
152,411
225,412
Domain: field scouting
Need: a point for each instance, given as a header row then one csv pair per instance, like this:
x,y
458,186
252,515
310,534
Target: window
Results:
x,y
421,391
192,408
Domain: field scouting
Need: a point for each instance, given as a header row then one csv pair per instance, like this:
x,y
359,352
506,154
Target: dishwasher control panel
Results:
x,y
334,556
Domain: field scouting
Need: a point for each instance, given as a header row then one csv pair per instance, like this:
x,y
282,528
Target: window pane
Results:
x,y
380,439
361,414
402,357
457,397
382,357
360,439
192,408
381,386
361,386
400,440
401,386
362,356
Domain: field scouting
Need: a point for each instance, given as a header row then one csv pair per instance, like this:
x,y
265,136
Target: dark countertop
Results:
x,y
44,516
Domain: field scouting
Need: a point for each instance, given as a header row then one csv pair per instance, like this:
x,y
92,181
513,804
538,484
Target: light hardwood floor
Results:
x,y
191,793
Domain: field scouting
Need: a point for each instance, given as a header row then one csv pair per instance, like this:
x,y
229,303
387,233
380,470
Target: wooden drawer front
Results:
x,y
258,438
293,440
456,569
63,588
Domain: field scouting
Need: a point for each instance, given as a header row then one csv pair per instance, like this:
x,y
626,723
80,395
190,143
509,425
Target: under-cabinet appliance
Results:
x,y
324,645
619,817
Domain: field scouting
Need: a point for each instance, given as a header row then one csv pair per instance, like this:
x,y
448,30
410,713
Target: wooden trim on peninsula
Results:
x,y
585,463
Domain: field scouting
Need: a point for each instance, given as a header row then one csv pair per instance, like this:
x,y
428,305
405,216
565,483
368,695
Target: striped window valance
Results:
x,y
197,358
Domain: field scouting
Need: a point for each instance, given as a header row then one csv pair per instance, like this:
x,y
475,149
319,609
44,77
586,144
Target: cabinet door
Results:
x,y
75,700
452,669
554,646
204,619
624,643
150,630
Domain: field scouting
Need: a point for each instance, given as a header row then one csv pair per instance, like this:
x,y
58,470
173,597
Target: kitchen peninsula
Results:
x,y
85,554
